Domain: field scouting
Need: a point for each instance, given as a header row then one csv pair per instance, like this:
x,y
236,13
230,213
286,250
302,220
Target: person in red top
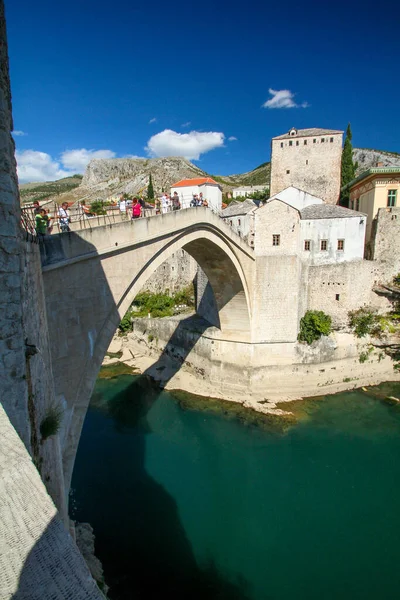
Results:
x,y
136,209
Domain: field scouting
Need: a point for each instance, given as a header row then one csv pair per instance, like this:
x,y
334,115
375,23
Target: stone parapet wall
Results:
x,y
38,558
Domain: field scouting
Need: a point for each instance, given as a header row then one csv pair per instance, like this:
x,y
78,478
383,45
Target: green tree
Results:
x,y
150,189
348,172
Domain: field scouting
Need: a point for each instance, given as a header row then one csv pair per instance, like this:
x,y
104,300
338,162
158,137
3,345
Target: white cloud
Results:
x,y
76,160
189,145
38,166
232,138
33,165
282,99
153,120
19,132
187,124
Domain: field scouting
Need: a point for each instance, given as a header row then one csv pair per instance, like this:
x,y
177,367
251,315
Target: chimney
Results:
x,y
379,164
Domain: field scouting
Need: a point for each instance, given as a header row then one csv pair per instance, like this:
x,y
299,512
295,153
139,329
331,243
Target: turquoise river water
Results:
x,y
191,503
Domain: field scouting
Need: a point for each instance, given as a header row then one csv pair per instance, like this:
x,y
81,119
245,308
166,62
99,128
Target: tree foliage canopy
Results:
x,y
348,171
150,189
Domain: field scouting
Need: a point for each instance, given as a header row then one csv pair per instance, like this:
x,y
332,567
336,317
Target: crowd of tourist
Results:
x,y
130,208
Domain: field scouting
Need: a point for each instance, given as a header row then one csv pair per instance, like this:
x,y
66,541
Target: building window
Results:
x,y
305,142
238,221
276,239
314,141
297,142
281,144
306,162
324,245
337,297
391,199
287,171
290,143
340,244
307,245
331,140
230,222
322,139
358,204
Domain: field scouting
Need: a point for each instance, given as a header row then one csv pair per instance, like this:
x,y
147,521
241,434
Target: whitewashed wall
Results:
x,y
351,230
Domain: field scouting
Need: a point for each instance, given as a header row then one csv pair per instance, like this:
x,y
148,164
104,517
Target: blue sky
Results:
x,y
100,78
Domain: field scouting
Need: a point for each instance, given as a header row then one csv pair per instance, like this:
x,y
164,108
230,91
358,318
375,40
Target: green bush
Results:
x,y
313,325
364,322
97,208
396,279
51,423
126,324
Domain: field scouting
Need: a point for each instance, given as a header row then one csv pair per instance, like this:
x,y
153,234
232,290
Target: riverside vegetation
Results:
x,y
158,305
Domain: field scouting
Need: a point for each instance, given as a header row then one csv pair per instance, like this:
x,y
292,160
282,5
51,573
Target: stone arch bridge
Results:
x,y
91,278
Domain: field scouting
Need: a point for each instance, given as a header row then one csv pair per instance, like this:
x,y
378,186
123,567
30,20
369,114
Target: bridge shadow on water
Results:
x,y
150,555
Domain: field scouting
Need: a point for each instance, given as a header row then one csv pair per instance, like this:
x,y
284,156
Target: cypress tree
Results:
x,y
150,189
348,167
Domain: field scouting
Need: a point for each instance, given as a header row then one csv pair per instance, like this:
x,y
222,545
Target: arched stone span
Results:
x,y
91,278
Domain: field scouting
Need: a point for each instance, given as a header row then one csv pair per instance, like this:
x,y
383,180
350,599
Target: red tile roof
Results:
x,y
198,181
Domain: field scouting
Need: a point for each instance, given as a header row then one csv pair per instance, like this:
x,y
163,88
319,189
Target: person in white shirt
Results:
x,y
63,218
164,204
122,205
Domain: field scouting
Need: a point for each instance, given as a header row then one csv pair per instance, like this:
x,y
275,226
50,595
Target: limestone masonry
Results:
x,y
308,159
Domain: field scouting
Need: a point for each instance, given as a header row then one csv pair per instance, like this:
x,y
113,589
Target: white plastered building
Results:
x,y
295,222
187,188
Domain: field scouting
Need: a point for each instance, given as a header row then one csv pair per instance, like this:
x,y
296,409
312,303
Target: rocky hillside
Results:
x,y
368,158
109,177
131,175
48,189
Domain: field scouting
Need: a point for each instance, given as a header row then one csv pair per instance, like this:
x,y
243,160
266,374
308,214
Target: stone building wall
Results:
x,y
173,275
26,382
385,242
312,167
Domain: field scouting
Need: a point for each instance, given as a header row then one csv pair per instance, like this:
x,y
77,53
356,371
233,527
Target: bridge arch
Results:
x,y
91,279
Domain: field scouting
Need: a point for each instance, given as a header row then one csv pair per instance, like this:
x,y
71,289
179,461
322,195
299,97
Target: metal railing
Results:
x,y
81,217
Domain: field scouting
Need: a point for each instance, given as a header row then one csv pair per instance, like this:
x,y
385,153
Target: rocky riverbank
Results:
x,y
334,364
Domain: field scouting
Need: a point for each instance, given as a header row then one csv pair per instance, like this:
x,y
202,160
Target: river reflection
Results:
x,y
187,503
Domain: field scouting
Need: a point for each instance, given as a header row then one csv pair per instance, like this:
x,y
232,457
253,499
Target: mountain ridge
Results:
x,y
110,177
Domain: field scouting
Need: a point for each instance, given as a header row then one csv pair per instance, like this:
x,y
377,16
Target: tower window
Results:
x,y
276,239
305,142
337,297
307,162
331,140
391,198
238,221
314,141
340,244
324,245
281,144
307,245
297,142
322,139
290,143
287,171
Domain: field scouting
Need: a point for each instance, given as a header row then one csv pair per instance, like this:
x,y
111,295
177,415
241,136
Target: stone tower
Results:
x,y
308,159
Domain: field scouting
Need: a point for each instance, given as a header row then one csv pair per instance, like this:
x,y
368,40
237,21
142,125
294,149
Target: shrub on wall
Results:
x,y
51,423
313,325
364,322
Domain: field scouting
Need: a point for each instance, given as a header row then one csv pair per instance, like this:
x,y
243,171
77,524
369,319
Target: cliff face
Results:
x,y
132,175
368,158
